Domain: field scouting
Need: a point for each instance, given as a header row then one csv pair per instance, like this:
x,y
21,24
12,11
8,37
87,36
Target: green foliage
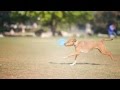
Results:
x,y
49,16
4,17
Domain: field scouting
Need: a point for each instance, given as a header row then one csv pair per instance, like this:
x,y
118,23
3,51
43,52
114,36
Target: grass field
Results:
x,y
36,58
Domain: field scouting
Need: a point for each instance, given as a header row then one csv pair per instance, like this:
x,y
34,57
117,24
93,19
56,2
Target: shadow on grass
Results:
x,y
78,63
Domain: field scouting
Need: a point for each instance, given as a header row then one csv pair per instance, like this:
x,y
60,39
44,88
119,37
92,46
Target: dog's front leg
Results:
x,y
73,54
74,61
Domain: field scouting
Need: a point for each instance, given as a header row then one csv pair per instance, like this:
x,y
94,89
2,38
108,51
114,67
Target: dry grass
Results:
x,y
35,58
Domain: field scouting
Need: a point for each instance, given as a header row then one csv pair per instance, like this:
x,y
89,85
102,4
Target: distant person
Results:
x,y
112,31
88,29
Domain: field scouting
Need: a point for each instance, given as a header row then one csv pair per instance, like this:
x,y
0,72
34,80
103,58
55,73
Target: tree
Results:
x,y
4,17
53,18
75,17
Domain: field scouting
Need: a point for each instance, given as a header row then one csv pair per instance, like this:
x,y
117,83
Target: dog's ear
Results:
x,y
73,38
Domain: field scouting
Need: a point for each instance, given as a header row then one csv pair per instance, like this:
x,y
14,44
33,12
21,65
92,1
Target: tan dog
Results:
x,y
86,46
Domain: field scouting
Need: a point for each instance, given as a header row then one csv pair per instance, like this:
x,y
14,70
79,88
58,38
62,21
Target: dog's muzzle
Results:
x,y
69,44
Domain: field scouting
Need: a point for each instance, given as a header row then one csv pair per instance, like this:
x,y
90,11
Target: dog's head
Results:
x,y
70,42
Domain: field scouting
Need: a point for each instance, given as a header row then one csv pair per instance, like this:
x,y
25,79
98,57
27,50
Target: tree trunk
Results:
x,y
53,27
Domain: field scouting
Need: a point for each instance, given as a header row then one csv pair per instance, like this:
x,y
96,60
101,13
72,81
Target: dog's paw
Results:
x,y
72,64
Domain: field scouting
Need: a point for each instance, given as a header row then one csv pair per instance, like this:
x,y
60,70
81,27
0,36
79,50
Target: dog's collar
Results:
x,y
75,44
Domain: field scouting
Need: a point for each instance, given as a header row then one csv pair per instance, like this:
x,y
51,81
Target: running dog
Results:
x,y
86,46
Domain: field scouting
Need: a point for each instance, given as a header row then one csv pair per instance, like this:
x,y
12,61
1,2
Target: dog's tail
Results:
x,y
106,39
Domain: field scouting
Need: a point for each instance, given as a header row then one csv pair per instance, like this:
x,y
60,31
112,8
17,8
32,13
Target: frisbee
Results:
x,y
61,41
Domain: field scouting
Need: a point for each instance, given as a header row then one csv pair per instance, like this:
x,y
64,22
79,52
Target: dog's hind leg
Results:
x,y
106,52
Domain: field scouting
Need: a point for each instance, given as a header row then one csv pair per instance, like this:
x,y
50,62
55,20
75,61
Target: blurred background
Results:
x,y
32,44
57,23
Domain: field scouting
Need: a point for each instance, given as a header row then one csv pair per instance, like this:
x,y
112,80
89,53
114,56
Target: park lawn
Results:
x,y
33,57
